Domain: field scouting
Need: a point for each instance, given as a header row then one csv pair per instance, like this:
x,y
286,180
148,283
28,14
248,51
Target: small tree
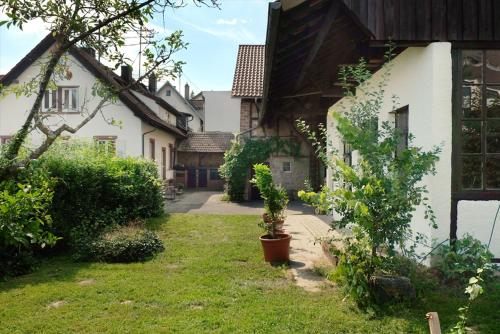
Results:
x,y
376,198
102,25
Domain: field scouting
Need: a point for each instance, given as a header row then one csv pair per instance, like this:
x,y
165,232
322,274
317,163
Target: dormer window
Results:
x,y
61,100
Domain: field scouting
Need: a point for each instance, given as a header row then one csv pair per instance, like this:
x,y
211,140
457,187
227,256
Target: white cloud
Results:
x,y
231,22
237,34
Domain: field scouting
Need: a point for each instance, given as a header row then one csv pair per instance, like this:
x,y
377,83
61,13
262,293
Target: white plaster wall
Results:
x,y
13,112
177,101
421,78
162,113
162,139
222,112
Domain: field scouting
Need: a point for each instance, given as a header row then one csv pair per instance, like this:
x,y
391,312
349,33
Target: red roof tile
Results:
x,y
249,74
206,142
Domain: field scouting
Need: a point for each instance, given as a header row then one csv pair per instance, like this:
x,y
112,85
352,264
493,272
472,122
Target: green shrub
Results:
x,y
95,190
126,244
244,154
24,221
275,198
460,263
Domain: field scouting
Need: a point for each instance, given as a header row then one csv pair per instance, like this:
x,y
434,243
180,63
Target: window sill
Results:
x,y
476,195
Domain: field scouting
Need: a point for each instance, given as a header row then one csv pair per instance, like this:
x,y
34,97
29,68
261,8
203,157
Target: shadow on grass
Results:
x,y
48,270
155,223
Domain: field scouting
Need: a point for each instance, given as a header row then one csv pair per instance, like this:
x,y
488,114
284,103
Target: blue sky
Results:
x,y
213,36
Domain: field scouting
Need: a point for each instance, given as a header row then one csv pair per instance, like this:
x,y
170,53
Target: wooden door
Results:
x,y
191,177
202,178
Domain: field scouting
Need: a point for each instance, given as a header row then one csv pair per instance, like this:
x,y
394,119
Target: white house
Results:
x,y
222,111
169,93
446,75
147,126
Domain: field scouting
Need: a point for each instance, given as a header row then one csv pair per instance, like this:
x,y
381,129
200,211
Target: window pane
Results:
x,y
471,136
493,101
492,71
74,98
472,63
471,101
66,99
493,136
471,172
492,171
46,101
54,99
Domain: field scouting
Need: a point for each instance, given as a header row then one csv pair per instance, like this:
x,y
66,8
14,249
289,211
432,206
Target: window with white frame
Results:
x,y
287,167
106,144
62,99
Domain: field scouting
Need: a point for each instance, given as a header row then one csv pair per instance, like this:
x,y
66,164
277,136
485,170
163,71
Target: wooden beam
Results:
x,y
434,326
330,17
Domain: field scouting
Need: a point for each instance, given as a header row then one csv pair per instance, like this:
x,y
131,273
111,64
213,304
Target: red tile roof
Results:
x,y
206,142
249,74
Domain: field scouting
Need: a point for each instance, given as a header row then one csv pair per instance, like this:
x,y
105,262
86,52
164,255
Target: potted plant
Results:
x,y
275,242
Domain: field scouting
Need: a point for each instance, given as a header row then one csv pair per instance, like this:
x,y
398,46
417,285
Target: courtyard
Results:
x,y
210,278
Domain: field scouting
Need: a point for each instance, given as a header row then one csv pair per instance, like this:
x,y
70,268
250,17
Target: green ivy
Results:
x,y
247,152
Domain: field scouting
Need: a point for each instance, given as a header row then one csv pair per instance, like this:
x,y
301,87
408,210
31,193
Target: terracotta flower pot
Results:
x,y
276,250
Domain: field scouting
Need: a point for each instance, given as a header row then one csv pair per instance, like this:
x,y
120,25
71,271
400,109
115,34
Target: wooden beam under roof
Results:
x,y
330,17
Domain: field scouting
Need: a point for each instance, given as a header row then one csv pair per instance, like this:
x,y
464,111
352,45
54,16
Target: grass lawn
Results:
x,y
211,278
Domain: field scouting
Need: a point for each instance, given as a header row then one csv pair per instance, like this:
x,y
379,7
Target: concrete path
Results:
x,y
211,202
305,227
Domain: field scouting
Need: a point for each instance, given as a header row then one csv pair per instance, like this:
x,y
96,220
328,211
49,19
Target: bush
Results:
x,y
95,190
461,263
24,221
244,154
126,244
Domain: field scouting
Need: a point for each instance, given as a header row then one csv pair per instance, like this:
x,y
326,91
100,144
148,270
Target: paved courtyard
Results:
x,y
306,229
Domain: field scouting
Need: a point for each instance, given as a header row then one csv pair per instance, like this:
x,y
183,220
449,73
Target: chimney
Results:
x,y
126,73
89,51
152,83
186,91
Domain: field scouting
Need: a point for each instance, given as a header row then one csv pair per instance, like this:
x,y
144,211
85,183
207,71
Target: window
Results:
x,y
347,157
152,149
164,162
214,174
171,156
477,121
106,144
5,139
168,92
286,167
401,123
64,99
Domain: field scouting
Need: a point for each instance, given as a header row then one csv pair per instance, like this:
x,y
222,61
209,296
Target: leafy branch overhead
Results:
x,y
101,25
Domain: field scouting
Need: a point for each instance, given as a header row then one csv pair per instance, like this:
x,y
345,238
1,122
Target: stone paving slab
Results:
x,y
306,251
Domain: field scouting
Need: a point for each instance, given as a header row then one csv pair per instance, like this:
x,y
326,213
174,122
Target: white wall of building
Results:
x,y
222,112
14,110
421,77
176,100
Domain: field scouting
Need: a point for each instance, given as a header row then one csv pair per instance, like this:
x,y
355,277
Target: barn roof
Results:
x,y
206,142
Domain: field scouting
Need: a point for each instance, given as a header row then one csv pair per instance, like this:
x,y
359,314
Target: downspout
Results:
x,y
143,136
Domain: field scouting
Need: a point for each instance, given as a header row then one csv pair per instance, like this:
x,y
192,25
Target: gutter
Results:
x,y
271,39
143,136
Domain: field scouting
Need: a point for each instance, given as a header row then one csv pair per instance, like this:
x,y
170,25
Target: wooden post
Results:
x,y
434,325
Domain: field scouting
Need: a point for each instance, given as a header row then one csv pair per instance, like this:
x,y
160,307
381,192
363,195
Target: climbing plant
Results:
x,y
245,153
